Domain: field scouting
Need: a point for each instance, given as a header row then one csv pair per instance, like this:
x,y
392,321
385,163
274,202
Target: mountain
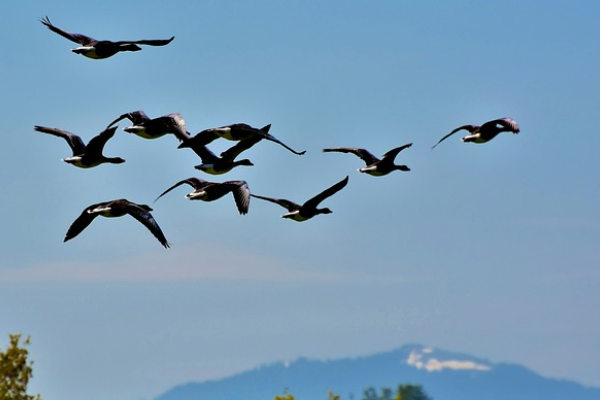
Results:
x,y
444,376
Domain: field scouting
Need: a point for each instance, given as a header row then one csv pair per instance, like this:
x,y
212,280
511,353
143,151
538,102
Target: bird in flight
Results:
x,y
85,156
310,208
375,166
209,191
485,132
153,128
117,208
237,132
100,49
215,165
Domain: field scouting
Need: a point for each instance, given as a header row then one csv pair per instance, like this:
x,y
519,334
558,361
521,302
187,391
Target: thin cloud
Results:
x,y
190,263
184,264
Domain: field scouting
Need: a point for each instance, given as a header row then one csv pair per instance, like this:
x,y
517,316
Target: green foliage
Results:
x,y
331,396
411,392
386,394
403,392
370,393
15,371
285,397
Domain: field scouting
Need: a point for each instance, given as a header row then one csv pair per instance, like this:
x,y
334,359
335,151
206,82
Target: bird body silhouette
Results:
x,y
114,209
375,166
485,132
303,212
85,156
210,191
100,49
237,132
154,128
215,165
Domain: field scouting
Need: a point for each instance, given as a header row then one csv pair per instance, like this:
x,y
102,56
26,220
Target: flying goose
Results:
x,y
237,132
99,49
85,156
214,165
117,208
309,209
485,132
153,128
375,166
209,191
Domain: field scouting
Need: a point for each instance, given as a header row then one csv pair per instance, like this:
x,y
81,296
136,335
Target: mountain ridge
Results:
x,y
443,374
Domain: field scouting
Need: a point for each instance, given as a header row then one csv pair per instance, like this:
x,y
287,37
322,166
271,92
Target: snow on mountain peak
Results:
x,y
424,359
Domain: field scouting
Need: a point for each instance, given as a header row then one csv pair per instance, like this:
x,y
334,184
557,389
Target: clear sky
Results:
x,y
488,249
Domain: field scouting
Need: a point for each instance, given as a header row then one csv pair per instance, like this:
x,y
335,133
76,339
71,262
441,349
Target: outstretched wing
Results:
x,y
193,182
207,156
96,144
367,157
171,123
391,155
470,128
203,138
74,37
74,141
241,195
314,202
265,135
148,221
136,117
154,42
506,125
81,222
241,146
287,204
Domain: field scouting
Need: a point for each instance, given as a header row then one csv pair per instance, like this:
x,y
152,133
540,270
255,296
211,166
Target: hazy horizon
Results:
x,y
487,249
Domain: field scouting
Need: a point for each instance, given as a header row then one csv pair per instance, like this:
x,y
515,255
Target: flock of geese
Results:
x,y
245,136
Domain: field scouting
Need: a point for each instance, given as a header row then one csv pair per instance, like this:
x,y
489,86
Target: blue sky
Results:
x,y
488,249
